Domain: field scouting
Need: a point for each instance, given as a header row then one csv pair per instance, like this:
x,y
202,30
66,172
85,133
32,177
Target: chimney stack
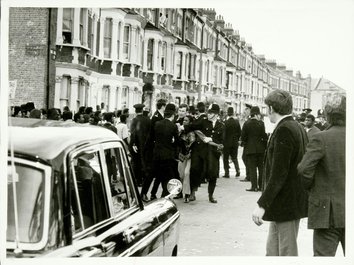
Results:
x,y
271,63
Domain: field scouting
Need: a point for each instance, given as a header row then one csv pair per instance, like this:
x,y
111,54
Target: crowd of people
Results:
x,y
299,164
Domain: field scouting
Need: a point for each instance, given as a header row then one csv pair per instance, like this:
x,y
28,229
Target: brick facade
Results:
x,y
28,55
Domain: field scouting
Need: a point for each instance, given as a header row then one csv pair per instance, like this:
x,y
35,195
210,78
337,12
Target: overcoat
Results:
x,y
253,137
232,133
323,173
283,197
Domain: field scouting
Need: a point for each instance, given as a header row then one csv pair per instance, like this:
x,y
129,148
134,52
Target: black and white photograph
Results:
x,y
214,130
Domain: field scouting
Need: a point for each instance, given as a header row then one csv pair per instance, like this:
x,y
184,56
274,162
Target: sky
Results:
x,y
314,37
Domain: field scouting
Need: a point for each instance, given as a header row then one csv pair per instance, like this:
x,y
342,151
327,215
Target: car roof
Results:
x,y
47,139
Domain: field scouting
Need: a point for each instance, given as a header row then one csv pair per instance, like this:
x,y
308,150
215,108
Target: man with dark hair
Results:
x,y
310,127
78,116
323,174
53,114
283,201
67,116
108,117
254,140
35,114
139,129
165,137
232,135
122,128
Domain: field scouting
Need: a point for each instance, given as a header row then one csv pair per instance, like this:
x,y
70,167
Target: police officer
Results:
x,y
213,129
166,140
139,129
157,116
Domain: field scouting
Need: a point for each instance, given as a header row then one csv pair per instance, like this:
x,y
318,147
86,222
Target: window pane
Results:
x,y
121,190
30,205
87,171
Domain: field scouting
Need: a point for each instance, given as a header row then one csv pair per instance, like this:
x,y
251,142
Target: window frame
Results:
x,y
71,22
107,37
126,43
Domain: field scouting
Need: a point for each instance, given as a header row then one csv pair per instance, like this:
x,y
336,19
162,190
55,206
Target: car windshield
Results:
x,y
30,203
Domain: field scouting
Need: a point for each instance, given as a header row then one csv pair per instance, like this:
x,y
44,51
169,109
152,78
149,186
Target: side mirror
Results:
x,y
174,186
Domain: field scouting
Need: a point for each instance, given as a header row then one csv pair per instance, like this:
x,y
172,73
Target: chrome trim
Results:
x,y
47,184
77,195
146,240
99,225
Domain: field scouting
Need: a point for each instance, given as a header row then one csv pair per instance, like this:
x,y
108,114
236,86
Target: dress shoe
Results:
x,y
144,198
244,180
226,176
153,197
186,200
212,200
192,198
251,189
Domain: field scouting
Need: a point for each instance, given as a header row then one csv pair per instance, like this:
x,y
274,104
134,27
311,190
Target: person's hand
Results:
x,y
220,147
257,215
135,149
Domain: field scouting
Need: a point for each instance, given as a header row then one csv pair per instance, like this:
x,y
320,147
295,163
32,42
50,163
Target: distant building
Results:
x,y
321,88
117,57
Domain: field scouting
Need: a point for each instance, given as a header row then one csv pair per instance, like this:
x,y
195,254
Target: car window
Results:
x,y
30,204
122,192
88,195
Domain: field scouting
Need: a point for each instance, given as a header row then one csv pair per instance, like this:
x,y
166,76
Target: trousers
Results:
x,y
325,241
227,152
282,238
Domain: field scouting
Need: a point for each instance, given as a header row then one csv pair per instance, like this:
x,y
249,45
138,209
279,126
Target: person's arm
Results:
x,y
315,151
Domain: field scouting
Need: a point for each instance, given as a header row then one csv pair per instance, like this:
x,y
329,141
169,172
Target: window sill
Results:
x,y
74,46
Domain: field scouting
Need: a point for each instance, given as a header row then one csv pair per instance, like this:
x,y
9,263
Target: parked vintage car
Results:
x,y
71,193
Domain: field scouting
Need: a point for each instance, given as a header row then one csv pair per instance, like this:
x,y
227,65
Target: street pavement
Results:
x,y
226,228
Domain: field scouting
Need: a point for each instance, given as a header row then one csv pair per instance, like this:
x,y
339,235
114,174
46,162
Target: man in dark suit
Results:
x,y
158,116
165,137
246,114
323,173
139,132
231,137
284,200
254,140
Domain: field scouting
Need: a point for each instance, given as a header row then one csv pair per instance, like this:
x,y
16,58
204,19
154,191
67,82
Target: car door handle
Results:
x,y
108,247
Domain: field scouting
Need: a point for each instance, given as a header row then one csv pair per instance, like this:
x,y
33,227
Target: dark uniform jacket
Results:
x,y
216,132
232,132
253,137
283,197
156,117
166,140
139,131
323,173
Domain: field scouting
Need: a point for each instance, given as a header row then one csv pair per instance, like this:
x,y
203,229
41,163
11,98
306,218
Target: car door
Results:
x,y
136,230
